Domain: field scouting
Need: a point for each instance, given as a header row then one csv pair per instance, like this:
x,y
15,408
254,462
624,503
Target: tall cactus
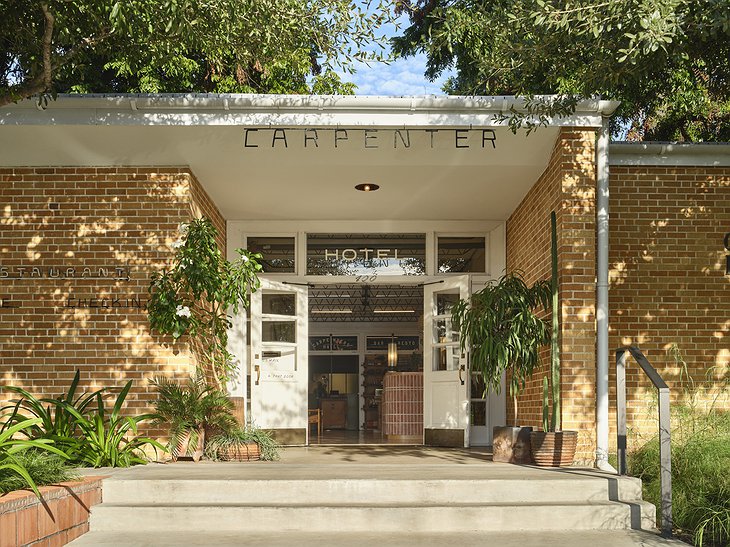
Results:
x,y
555,424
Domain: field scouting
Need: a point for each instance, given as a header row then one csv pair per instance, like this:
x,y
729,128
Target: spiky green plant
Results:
x,y
501,328
56,422
108,438
189,409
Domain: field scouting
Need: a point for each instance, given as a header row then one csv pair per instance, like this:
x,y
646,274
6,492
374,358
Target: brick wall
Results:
x,y
568,187
75,221
667,282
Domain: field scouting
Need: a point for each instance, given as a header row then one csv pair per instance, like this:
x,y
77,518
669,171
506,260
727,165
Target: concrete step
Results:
x,y
371,491
275,538
387,518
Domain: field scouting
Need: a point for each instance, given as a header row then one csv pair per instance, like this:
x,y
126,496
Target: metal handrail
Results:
x,y
665,445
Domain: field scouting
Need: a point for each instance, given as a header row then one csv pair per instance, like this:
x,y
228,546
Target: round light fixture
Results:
x,y
367,187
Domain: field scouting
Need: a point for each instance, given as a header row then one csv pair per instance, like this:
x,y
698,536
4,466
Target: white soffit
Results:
x,y
434,178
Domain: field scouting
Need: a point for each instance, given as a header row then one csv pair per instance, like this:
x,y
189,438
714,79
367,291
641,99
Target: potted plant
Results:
x,y
553,447
243,444
504,334
192,410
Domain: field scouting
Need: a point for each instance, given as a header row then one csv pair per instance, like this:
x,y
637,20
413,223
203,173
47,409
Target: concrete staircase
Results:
x,y
360,499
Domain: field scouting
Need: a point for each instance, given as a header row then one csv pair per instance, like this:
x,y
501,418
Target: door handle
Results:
x,y
462,368
257,368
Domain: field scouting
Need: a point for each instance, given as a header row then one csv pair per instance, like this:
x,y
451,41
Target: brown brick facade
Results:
x,y
667,282
59,229
568,187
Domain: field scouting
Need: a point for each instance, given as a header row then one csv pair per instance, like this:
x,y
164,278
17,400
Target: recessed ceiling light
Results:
x,y
394,311
367,187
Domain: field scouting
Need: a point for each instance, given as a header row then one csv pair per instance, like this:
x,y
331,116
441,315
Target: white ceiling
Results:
x,y
418,183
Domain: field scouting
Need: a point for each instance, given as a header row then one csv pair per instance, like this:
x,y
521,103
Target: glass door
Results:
x,y
445,373
279,360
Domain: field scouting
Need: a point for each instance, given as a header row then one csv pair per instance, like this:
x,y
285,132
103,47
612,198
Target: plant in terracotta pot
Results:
x,y
499,326
192,410
553,447
242,444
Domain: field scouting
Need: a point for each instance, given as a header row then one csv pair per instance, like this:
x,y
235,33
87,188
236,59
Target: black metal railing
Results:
x,y
665,444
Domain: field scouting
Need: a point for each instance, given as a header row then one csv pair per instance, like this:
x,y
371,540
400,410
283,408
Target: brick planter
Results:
x,y
60,518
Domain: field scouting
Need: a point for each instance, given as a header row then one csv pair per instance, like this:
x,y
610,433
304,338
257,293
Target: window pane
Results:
x,y
278,253
477,386
446,358
478,413
444,303
366,254
278,331
461,254
279,303
444,332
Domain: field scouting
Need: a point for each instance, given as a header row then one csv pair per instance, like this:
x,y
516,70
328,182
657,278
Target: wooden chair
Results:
x,y
315,417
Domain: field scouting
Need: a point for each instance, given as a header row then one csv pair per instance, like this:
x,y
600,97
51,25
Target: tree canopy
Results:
x,y
259,46
668,61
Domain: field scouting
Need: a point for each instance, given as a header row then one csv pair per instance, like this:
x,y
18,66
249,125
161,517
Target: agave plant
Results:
x,y
10,447
190,409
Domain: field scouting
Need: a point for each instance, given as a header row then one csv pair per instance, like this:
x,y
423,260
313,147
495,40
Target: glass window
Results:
x,y
366,254
444,302
478,413
462,254
277,252
278,331
279,303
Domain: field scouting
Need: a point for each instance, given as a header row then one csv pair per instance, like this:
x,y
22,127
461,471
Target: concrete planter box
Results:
x,y
511,444
61,517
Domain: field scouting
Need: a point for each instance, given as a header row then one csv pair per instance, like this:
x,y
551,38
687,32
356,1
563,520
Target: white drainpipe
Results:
x,y
602,357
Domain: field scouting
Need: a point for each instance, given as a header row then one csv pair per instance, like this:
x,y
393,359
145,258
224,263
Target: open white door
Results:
x,y
445,371
279,360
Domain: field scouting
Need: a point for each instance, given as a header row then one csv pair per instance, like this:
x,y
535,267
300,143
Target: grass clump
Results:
x,y
43,467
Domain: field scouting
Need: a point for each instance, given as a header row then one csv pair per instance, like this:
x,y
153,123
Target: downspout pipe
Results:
x,y
602,357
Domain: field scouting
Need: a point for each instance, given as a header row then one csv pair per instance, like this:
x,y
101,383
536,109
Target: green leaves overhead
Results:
x,y
184,45
668,61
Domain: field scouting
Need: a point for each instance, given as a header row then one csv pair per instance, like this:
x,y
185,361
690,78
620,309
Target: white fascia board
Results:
x,y
670,154
285,111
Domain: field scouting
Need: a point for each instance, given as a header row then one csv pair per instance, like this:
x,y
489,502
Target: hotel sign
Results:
x,y
334,139
726,243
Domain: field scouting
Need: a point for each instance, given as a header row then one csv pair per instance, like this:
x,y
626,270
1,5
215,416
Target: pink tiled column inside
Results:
x,y
403,404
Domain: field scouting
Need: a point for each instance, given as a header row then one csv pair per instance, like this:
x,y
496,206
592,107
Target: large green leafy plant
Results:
x,y
195,295
500,327
81,428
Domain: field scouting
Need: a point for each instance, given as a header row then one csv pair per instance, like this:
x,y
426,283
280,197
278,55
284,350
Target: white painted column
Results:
x,y
602,357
